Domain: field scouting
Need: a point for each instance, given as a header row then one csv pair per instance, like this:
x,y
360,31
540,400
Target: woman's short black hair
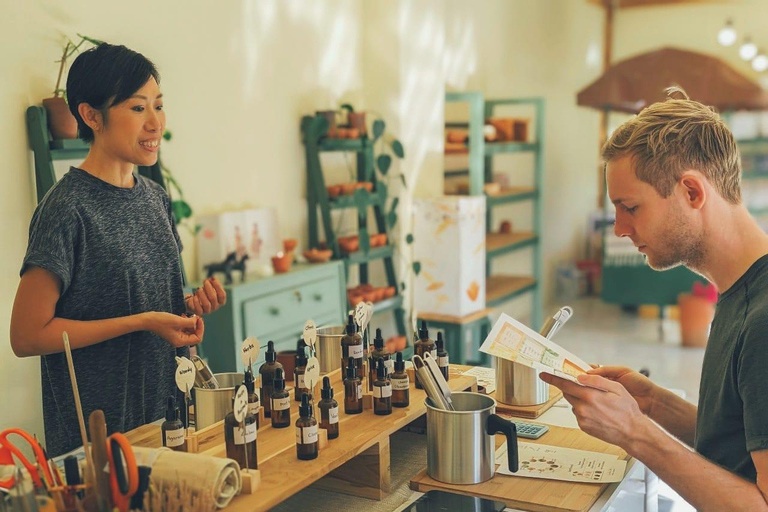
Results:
x,y
104,76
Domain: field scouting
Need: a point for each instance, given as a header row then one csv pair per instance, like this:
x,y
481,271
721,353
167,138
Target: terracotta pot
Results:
x,y
349,188
380,292
61,122
490,188
370,296
391,345
282,263
504,128
289,244
317,256
389,292
341,133
696,314
367,287
334,190
349,245
355,300
287,358
382,238
506,227
398,342
457,136
356,121
520,130
353,133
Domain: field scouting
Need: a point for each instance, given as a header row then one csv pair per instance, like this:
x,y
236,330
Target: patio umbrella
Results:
x,y
636,82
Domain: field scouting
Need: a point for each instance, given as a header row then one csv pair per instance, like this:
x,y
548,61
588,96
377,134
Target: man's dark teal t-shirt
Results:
x,y
732,419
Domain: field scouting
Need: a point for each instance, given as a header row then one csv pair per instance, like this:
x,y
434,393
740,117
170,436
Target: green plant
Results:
x,y
182,211
70,49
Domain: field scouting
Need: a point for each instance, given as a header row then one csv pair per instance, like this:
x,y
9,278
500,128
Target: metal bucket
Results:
x,y
328,347
211,405
519,385
461,443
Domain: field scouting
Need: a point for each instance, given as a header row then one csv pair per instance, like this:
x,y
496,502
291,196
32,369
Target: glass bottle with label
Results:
x,y
281,402
172,428
353,389
352,346
329,410
378,352
306,431
382,390
238,442
299,369
267,372
254,404
424,345
401,385
442,355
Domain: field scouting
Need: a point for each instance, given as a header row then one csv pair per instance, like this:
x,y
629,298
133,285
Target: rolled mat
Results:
x,y
211,480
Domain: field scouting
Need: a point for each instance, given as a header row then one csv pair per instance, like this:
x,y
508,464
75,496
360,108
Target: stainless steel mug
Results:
x,y
519,385
461,443
328,347
211,405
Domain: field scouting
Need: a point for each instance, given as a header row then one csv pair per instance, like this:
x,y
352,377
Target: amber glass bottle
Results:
x,y
329,410
353,390
254,404
237,441
352,346
401,385
281,402
377,352
267,372
298,372
306,431
172,428
382,390
442,356
424,345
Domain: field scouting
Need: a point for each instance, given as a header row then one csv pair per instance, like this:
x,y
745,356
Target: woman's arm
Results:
x,y
36,331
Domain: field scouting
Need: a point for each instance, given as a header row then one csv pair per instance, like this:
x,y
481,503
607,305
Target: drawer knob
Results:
x,y
297,293
318,297
274,311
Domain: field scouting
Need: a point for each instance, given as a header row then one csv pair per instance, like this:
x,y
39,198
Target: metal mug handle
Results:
x,y
495,424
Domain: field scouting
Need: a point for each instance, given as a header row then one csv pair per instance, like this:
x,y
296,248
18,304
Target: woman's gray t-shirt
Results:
x,y
116,251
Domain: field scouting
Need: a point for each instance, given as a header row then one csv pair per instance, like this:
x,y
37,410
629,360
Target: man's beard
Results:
x,y
677,245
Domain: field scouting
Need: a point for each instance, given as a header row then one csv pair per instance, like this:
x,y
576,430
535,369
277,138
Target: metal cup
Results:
x,y
461,443
211,405
517,384
328,347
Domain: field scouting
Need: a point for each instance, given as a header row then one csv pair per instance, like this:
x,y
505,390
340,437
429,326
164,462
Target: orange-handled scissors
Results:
x,y
8,451
123,480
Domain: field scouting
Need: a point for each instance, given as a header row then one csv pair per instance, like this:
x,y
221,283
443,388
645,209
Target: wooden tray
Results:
x,y
356,463
533,494
529,411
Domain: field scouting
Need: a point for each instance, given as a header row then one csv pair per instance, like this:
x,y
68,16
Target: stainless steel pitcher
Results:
x,y
328,347
461,443
519,385
211,405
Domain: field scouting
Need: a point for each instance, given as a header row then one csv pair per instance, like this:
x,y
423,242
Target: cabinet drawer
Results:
x,y
272,314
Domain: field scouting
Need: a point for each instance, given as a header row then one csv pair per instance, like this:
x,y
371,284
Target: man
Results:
x,y
674,174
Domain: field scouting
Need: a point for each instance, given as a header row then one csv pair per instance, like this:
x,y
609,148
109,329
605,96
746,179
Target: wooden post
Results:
x,y
365,476
608,5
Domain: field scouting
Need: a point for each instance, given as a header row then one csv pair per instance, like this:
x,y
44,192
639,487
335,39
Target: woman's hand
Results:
x,y
207,298
639,386
179,331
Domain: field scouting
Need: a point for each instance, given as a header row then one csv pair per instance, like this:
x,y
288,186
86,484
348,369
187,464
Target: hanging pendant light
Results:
x,y
760,63
727,34
748,49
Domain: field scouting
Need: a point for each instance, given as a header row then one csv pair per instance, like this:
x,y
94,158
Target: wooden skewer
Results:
x,y
79,407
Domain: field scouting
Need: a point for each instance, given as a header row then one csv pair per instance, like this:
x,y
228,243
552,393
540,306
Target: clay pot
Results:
x,y
380,292
370,296
341,133
61,122
506,227
397,342
349,188
367,287
317,256
334,190
349,245
382,238
389,292
355,300
520,130
504,128
391,345
353,133
289,244
491,188
367,185
282,262
696,314
287,358
457,136
356,121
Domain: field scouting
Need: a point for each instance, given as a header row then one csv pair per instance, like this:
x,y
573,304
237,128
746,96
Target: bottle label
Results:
x,y
174,438
382,391
250,434
442,362
356,351
333,415
281,404
400,384
306,435
253,408
359,391
300,381
390,365
434,353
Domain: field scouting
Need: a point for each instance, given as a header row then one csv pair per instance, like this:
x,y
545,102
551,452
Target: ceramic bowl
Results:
x,y
317,256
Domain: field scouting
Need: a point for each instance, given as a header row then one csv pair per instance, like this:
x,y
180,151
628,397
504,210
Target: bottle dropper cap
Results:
x,y
399,363
378,341
351,368
171,412
278,383
327,391
351,326
381,370
248,381
271,355
439,341
424,332
301,353
305,409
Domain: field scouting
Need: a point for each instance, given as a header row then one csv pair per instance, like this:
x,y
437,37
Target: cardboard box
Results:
x,y
449,242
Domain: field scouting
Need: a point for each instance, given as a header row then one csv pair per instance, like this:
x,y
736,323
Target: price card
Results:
x,y
249,350
310,333
241,404
312,374
185,374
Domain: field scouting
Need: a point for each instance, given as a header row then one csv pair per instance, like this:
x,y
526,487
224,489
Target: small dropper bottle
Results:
x,y
267,372
378,352
172,428
382,390
329,410
238,441
352,346
281,402
442,356
423,346
353,390
306,431
299,370
401,385
254,405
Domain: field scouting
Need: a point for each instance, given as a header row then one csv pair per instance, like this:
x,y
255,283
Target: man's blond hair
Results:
x,y
669,137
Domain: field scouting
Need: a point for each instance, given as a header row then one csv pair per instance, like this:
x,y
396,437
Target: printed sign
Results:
x,y
312,373
185,374
310,333
249,350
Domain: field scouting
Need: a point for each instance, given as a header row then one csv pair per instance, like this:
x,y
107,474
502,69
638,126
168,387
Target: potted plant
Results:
x,y
61,122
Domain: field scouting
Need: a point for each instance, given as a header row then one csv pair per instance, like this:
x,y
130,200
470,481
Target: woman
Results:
x,y
103,261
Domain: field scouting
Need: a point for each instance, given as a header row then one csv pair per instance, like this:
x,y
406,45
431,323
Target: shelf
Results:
x,y
68,149
342,144
457,125
760,211
492,148
457,172
374,254
501,288
387,304
511,195
348,201
754,175
497,244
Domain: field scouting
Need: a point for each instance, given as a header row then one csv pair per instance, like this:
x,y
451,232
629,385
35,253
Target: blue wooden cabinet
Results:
x,y
274,308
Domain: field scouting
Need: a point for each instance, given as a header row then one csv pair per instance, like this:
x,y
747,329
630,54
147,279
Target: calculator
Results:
x,y
530,430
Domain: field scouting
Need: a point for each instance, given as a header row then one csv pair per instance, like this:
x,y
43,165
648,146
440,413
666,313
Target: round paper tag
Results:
x,y
368,313
249,351
360,314
310,333
241,404
185,374
312,373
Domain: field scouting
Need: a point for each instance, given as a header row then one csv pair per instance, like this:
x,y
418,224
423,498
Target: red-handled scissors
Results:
x,y
8,451
123,480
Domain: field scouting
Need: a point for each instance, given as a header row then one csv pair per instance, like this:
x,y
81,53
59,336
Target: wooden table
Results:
x,y
356,463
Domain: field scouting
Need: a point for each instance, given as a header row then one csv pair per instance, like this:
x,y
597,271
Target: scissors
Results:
x,y
8,451
122,485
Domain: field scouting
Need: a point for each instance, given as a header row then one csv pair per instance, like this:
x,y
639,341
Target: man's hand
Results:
x,y
207,298
179,331
603,408
639,386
